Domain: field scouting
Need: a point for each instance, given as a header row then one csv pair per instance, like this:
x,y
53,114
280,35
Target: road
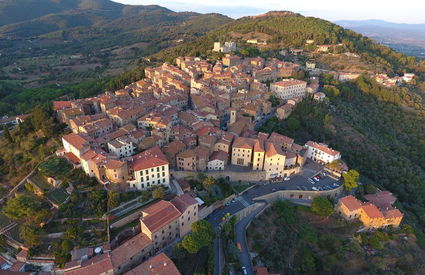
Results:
x,y
240,229
296,181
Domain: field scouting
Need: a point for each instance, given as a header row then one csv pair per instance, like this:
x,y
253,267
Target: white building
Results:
x,y
218,161
288,88
150,168
227,47
76,144
321,153
121,147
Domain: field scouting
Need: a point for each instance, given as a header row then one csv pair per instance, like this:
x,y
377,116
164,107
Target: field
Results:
x,y
40,182
58,196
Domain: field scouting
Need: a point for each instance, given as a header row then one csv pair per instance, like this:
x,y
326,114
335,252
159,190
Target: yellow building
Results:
x,y
258,158
242,151
274,161
368,213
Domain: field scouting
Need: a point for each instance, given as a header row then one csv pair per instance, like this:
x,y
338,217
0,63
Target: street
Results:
x,y
297,181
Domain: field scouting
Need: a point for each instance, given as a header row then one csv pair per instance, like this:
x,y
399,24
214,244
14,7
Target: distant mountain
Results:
x,y
54,43
407,38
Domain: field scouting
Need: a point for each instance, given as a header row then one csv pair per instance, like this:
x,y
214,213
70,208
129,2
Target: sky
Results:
x,y
410,11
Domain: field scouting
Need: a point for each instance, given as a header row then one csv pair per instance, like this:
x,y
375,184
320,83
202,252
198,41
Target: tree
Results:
x,y
274,100
208,183
7,135
21,207
30,234
113,199
322,206
67,245
158,192
351,179
202,235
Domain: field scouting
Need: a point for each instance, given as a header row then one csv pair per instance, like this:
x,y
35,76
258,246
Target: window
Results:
x,y
163,174
157,169
141,173
163,168
157,175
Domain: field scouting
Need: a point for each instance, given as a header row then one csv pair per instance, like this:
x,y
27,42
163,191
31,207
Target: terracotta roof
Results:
x,y
289,82
259,146
351,203
159,215
182,202
97,265
114,164
152,157
393,213
272,150
60,105
372,211
382,199
187,154
183,184
157,265
219,155
77,141
280,139
245,143
72,158
128,249
322,147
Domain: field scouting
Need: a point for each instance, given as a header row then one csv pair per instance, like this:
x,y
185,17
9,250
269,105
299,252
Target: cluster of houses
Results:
x,y
387,81
195,116
377,212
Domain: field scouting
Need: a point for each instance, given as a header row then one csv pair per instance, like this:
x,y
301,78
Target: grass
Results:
x,y
40,182
4,221
241,187
57,196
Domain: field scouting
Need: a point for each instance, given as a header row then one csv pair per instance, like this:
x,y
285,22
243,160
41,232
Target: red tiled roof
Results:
x,y
351,203
182,202
97,265
322,147
382,199
219,155
128,249
76,141
60,105
393,213
157,265
159,215
289,82
72,158
152,157
372,211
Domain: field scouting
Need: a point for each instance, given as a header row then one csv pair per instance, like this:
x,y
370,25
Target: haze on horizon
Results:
x,y
390,10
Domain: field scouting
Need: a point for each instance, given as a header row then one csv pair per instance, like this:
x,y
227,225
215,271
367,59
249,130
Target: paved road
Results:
x,y
246,199
240,227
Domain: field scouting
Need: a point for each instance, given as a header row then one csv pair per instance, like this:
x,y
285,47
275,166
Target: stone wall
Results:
x,y
205,211
133,216
250,176
299,195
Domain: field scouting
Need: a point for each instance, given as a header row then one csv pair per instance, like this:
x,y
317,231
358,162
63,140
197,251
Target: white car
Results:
x,y
315,188
245,272
287,178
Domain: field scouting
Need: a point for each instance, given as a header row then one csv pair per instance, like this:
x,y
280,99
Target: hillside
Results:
x,y
56,47
291,30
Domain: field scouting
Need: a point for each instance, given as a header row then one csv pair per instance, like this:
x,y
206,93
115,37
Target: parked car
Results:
x,y
311,181
274,189
286,178
315,188
245,272
316,180
298,187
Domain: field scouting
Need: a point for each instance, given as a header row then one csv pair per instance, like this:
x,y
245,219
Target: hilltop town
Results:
x,y
188,132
